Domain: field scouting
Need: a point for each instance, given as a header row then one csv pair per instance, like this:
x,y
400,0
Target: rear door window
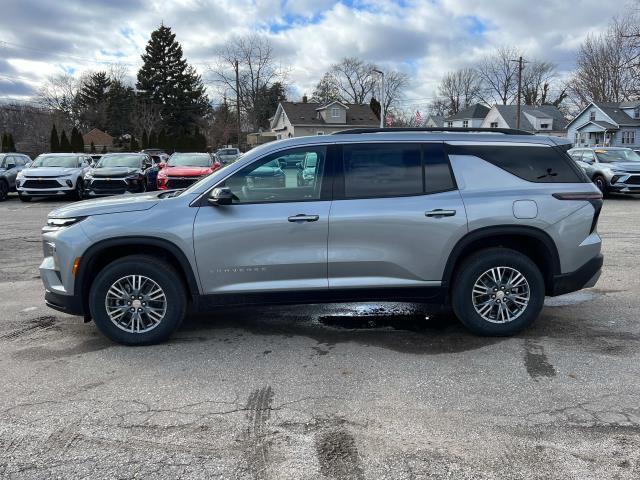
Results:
x,y
539,164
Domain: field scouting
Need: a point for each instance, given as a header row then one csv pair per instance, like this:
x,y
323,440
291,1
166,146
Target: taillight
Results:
x,y
594,198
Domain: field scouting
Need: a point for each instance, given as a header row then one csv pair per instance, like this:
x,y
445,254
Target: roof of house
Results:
x,y
300,113
614,112
508,113
98,137
600,123
630,104
474,111
437,119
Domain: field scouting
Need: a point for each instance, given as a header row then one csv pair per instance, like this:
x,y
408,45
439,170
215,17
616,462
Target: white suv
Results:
x,y
53,174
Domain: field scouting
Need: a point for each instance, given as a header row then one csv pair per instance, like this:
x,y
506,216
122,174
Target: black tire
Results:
x,y
78,193
24,198
4,190
473,268
155,269
601,183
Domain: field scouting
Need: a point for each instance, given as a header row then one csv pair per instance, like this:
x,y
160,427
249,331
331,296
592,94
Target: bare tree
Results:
x,y
439,107
606,67
30,125
499,75
257,71
540,86
146,115
395,84
460,89
354,79
59,93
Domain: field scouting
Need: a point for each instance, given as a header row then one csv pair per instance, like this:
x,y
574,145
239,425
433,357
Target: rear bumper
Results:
x,y
584,277
71,304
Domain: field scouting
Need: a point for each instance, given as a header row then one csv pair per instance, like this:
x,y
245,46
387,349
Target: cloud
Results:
x,y
424,38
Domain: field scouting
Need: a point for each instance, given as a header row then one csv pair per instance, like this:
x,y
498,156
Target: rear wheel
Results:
x,y
78,193
138,300
4,190
498,292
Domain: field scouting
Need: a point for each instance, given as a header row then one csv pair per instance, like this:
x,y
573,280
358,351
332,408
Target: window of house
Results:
x,y
265,181
592,116
544,126
335,112
319,133
636,112
465,124
449,124
494,125
628,137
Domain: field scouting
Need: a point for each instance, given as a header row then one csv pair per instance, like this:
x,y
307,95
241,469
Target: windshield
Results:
x,y
131,161
189,160
71,161
622,155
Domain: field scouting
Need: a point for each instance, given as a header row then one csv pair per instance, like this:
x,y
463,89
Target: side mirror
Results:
x,y
28,165
221,196
10,166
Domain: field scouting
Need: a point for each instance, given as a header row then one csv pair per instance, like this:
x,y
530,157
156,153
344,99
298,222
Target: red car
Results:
x,y
184,169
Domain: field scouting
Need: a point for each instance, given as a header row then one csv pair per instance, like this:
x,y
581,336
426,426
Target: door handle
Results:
x,y
438,212
304,218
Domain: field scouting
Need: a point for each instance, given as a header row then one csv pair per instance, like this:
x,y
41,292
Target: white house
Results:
x,y
470,117
543,119
606,124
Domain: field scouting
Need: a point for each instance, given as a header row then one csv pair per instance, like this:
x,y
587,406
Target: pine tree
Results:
x,y
165,79
77,144
153,140
145,139
104,149
54,140
65,145
5,143
162,140
120,104
93,147
12,145
133,146
92,99
375,106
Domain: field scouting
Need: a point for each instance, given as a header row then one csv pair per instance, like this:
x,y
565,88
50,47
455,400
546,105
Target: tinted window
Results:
x,y
622,155
588,156
437,175
61,161
534,164
382,170
267,181
121,160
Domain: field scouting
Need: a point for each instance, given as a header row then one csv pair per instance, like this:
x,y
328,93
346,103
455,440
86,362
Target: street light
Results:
x,y
381,73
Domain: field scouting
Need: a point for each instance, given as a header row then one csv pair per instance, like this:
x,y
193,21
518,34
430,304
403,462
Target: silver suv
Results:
x,y
486,223
612,169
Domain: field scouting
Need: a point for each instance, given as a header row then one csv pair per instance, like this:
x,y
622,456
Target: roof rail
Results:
x,y
504,131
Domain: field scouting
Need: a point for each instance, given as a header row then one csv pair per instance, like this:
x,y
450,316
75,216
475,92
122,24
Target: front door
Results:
x,y
273,237
395,217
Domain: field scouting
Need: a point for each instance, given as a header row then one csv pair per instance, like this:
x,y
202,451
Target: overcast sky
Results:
x,y
425,38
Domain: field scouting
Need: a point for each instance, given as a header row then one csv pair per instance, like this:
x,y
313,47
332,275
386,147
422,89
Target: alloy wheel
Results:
x,y
136,304
501,294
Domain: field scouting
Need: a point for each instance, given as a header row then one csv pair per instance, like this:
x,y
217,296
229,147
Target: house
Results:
x,y
543,119
434,121
259,138
606,124
99,138
298,119
470,117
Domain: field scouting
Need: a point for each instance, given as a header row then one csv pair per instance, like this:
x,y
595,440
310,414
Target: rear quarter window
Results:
x,y
543,164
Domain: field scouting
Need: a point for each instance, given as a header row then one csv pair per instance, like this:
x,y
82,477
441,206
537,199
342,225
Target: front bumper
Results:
x,y
45,188
70,304
584,277
115,186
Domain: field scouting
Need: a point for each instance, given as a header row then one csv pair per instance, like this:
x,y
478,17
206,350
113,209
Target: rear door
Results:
x,y
395,217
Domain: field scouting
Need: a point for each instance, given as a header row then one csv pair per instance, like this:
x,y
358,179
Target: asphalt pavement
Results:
x,y
344,391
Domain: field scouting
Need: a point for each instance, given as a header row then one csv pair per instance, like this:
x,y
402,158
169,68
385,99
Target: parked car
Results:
x,y
184,169
54,174
307,169
118,173
95,158
612,169
226,156
486,223
154,151
11,164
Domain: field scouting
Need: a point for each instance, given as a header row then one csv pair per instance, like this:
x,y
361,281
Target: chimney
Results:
x,y
304,99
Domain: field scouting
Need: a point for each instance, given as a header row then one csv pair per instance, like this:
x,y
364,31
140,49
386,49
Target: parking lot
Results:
x,y
335,391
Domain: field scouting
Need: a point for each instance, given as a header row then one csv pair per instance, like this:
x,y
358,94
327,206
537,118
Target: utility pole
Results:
x,y
520,67
238,101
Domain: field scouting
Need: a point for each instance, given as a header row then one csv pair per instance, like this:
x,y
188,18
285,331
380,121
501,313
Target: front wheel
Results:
x,y
498,292
601,183
4,190
138,300
78,193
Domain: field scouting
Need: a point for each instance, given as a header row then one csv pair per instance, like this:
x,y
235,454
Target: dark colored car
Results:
x,y
269,175
152,173
307,169
10,165
184,169
118,173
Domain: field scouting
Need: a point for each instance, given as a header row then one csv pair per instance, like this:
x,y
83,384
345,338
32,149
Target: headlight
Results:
x,y
20,175
55,224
